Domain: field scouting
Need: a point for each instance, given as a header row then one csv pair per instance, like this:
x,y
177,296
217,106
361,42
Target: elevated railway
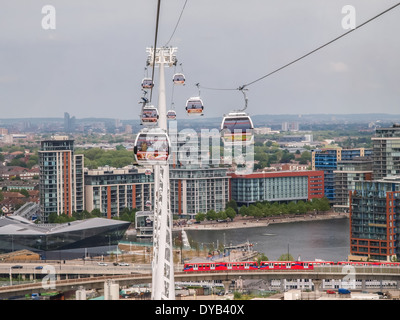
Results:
x,y
92,281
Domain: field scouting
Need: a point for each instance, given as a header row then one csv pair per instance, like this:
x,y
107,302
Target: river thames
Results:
x,y
318,239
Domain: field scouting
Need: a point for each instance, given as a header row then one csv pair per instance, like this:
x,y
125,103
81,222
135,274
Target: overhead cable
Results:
x,y
155,46
307,54
176,26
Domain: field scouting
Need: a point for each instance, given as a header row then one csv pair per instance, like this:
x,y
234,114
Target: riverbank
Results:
x,y
247,222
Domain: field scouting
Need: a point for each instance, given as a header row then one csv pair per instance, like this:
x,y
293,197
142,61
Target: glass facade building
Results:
x,y
17,233
374,222
277,186
327,160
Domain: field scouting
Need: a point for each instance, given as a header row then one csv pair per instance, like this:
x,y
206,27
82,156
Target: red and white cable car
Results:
x,y
149,115
147,83
152,146
237,129
178,78
194,106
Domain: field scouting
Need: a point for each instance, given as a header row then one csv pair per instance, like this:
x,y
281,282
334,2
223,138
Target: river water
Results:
x,y
318,239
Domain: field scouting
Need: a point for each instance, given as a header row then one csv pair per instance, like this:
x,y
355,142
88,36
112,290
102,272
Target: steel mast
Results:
x,y
163,282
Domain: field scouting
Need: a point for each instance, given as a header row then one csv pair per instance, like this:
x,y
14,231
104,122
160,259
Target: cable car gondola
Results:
x,y
171,114
237,129
149,115
178,78
152,147
194,106
147,83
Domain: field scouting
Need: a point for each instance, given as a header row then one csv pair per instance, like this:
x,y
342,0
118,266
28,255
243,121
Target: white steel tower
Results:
x,y
163,282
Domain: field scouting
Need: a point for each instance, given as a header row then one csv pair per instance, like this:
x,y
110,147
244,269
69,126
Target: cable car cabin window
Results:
x,y
147,84
237,130
194,107
178,78
171,114
149,115
233,124
152,148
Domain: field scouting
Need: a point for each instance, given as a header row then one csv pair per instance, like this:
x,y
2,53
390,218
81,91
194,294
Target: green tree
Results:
x,y
200,217
211,215
292,207
261,257
221,215
286,257
232,204
24,192
243,211
96,212
255,211
230,213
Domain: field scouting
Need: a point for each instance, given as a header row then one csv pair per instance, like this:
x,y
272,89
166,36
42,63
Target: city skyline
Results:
x,y
93,62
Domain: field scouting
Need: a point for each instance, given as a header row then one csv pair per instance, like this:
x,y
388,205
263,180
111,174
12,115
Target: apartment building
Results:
x,y
375,206
347,174
61,177
386,152
280,186
112,189
327,159
200,189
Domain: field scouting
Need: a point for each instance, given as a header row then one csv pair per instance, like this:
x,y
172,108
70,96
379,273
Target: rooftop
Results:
x,y
16,225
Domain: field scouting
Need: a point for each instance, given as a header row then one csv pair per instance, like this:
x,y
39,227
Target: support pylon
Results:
x,y
163,282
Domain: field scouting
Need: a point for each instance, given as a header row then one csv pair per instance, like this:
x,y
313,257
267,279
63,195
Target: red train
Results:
x,y
278,265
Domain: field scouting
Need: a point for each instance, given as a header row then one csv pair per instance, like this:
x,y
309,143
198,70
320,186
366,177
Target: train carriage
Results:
x,y
280,265
286,265
220,266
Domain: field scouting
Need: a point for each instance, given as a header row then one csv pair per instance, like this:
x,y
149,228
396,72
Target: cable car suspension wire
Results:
x,y
245,98
155,45
311,52
176,26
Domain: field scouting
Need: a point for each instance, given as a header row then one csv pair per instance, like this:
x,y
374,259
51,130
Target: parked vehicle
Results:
x,y
123,264
344,291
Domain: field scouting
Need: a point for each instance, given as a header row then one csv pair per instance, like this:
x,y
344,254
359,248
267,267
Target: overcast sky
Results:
x,y
93,62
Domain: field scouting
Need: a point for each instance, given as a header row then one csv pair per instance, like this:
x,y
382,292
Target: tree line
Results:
x,y
270,209
266,209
